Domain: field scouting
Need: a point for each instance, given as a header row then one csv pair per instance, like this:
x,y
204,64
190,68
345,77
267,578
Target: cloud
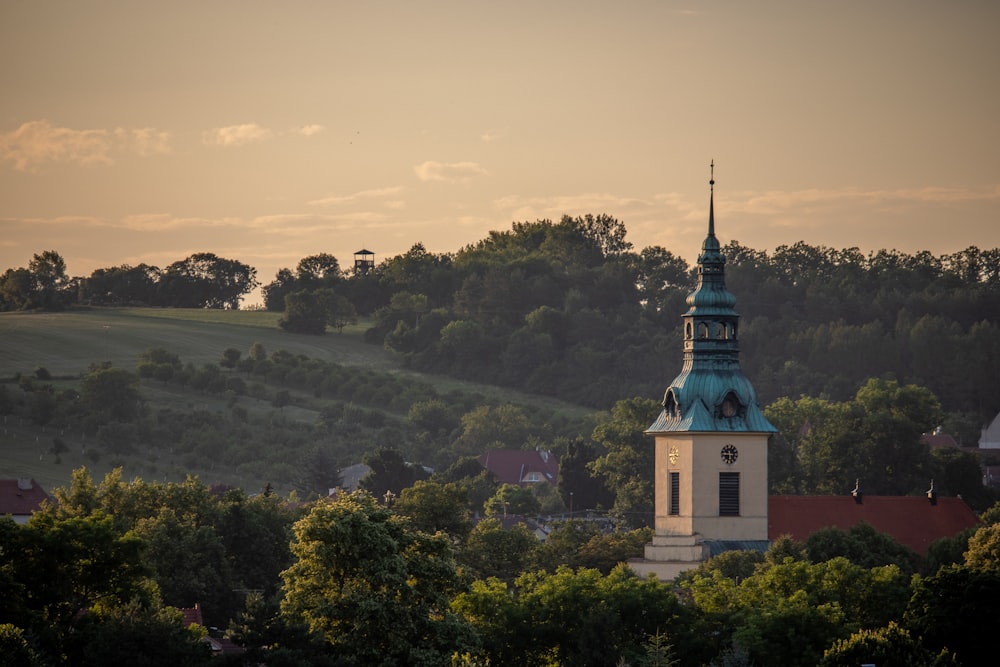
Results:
x,y
75,221
526,208
453,172
236,135
39,142
159,222
310,130
375,193
776,202
489,136
146,140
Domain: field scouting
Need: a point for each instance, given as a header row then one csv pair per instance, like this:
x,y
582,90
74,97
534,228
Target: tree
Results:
x,y
48,270
893,417
891,646
138,634
433,507
493,551
15,649
958,473
627,465
606,232
189,562
339,311
56,569
375,590
303,313
579,489
955,609
512,499
389,472
230,358
121,285
492,427
255,533
984,549
111,394
204,280
275,292
309,311
572,617
320,270
16,289
862,545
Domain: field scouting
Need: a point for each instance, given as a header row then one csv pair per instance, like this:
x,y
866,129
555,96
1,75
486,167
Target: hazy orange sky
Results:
x,y
268,131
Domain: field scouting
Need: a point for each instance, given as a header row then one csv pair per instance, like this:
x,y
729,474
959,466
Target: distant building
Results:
x,y
351,476
938,439
20,498
218,645
990,438
364,261
521,467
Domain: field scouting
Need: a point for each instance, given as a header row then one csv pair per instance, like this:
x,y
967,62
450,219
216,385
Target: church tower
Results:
x,y
711,438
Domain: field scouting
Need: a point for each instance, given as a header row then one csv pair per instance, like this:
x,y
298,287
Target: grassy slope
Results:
x,y
67,343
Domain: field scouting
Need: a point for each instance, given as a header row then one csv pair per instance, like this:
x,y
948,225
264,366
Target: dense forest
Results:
x,y
569,309
96,579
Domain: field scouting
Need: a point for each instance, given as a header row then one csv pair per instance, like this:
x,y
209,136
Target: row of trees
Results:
x,y
202,280
355,580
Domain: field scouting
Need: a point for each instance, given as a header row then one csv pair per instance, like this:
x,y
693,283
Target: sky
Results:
x,y
143,132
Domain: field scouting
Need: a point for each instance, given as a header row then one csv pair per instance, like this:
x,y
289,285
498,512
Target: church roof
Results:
x,y
711,393
910,520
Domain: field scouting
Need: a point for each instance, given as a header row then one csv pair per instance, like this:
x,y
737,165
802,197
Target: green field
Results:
x,y
67,343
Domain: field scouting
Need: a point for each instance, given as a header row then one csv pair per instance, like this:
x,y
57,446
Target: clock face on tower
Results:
x,y
730,454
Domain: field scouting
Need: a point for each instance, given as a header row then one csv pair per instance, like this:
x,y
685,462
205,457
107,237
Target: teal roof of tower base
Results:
x,y
698,418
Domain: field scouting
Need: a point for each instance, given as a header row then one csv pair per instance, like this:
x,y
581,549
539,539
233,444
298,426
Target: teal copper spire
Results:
x,y
711,393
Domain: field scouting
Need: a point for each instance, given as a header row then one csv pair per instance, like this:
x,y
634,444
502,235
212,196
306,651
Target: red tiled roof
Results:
x,y
938,440
191,615
514,466
20,497
220,645
910,520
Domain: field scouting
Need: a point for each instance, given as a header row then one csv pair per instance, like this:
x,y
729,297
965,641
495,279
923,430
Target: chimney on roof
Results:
x,y
24,484
857,491
932,494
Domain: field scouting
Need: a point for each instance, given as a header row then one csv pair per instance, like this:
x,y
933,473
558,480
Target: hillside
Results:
x,y
67,343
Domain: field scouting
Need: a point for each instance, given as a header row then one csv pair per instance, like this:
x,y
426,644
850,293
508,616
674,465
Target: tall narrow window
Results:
x,y
729,494
675,493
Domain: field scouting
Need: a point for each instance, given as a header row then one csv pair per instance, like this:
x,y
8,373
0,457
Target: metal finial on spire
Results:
x,y
711,200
